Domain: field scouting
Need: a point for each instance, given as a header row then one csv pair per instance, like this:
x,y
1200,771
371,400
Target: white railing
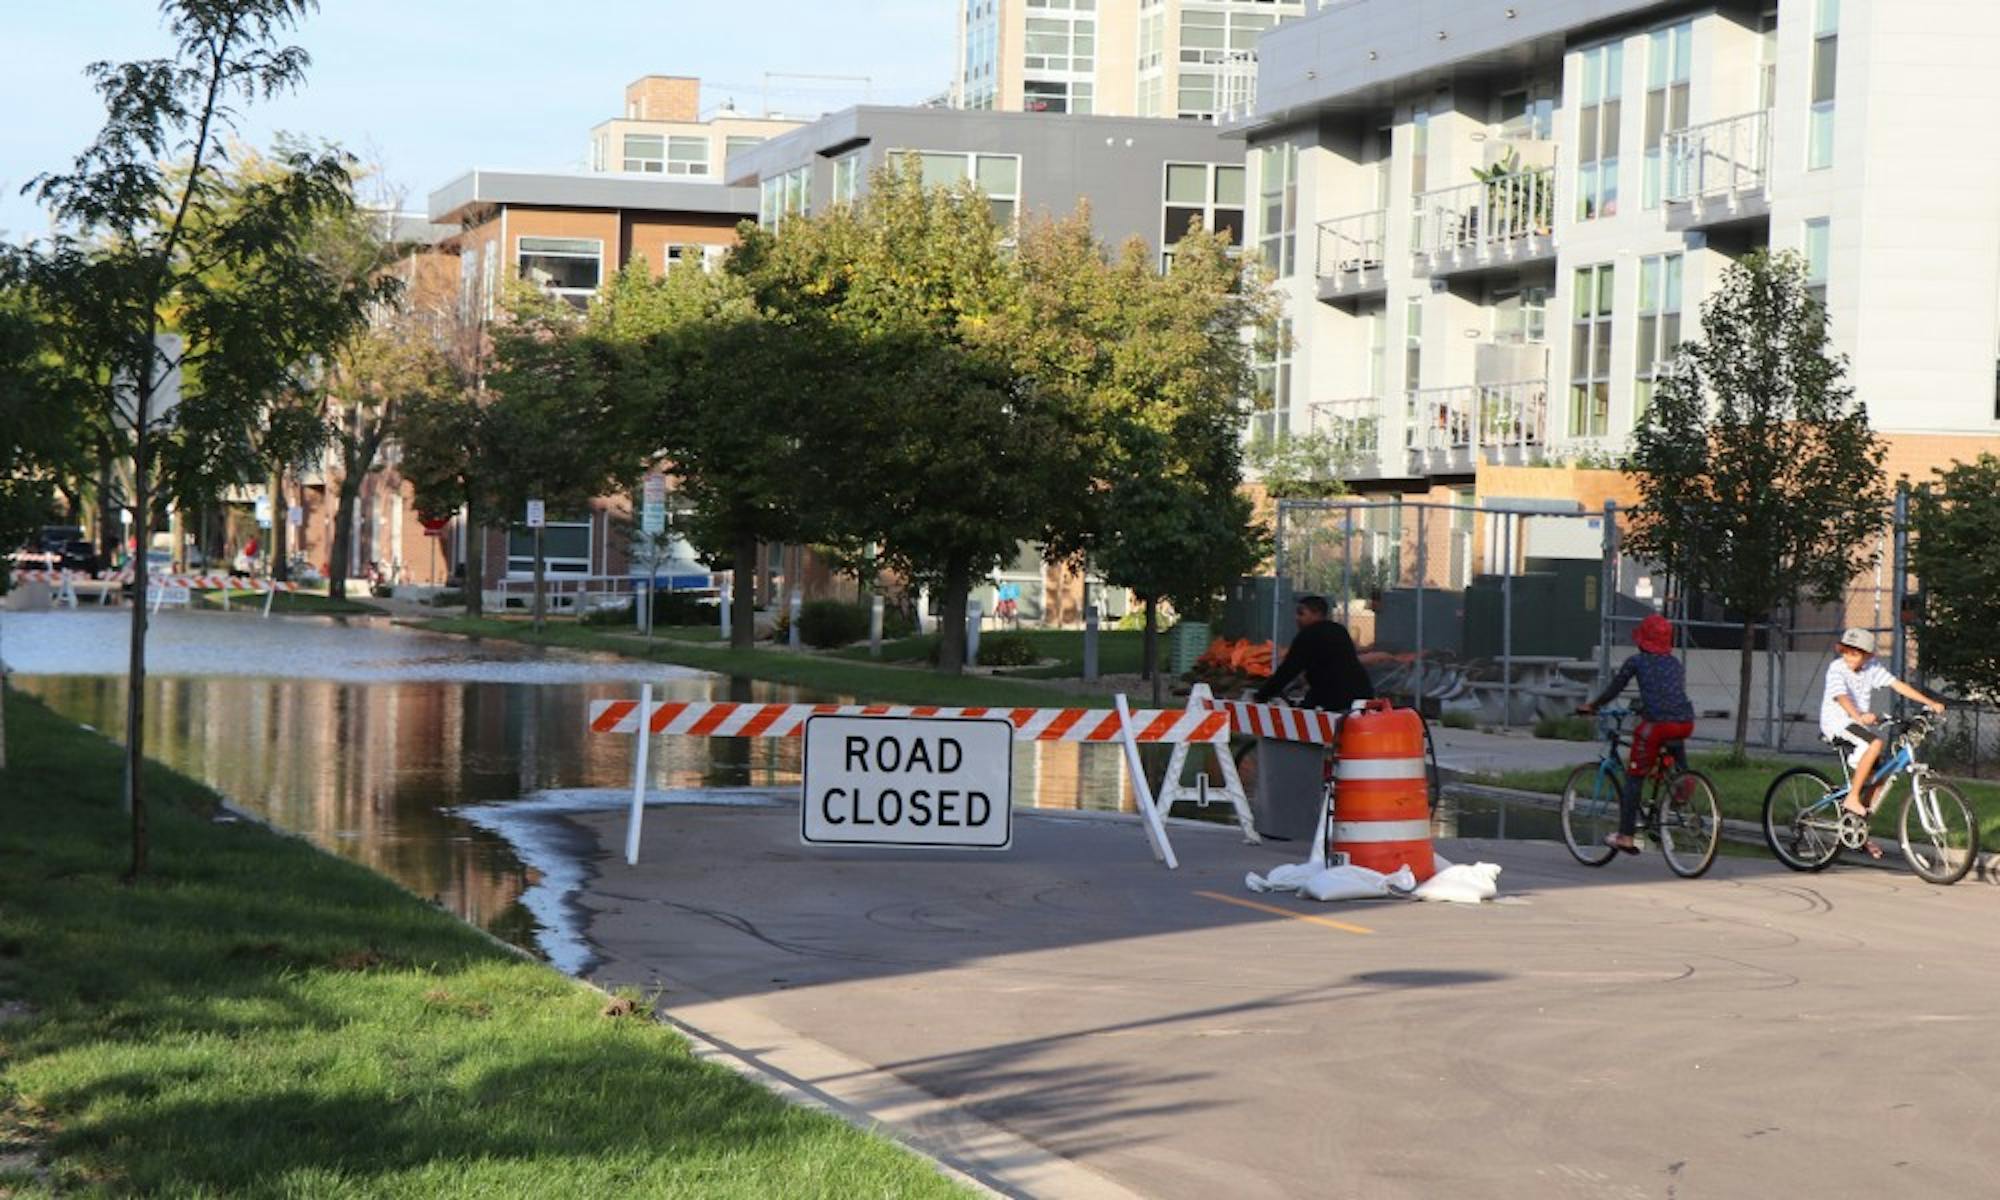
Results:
x,y
1720,158
1354,424
1480,416
1352,243
1487,214
1236,87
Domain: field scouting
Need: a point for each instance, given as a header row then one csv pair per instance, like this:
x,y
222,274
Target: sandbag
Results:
x,y
1289,877
1462,884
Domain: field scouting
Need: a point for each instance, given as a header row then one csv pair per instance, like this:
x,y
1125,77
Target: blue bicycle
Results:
x,y
1677,807
1807,826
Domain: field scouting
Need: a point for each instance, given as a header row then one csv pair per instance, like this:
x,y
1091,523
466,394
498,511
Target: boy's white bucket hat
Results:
x,y
1860,639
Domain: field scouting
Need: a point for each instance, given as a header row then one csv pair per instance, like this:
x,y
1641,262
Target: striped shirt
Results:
x,y
1858,686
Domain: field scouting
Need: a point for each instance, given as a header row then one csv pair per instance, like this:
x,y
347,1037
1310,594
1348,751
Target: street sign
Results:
x,y
295,515
263,512
536,514
908,781
653,506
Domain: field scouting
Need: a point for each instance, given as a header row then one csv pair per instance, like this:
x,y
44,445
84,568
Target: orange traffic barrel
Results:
x,y
1381,804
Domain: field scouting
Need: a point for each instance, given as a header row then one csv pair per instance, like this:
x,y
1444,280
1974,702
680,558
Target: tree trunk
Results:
x,y
110,531
474,582
281,555
135,671
743,596
1743,685
341,551
951,619
541,601
1150,664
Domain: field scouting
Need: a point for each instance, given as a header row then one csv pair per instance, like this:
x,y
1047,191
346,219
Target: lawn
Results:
x,y
1119,651
1742,789
827,674
257,1018
293,603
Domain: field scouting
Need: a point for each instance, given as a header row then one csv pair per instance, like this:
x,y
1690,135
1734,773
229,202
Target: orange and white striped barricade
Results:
x,y
1285,723
1381,804
1173,791
646,718
63,581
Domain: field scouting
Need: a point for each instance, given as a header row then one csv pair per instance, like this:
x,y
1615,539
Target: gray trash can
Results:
x,y
1291,785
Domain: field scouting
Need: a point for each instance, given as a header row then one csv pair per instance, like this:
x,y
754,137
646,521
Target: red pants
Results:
x,y
1649,736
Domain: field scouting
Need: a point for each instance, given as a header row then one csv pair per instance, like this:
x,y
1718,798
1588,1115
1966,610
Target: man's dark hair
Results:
x,y
1316,604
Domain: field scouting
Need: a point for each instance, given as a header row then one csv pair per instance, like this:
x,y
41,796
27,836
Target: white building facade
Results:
x,y
1491,223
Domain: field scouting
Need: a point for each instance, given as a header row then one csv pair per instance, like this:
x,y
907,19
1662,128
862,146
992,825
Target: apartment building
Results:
x,y
1494,222
662,131
1191,59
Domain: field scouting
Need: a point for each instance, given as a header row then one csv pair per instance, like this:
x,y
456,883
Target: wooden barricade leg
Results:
x,y
645,737
1156,829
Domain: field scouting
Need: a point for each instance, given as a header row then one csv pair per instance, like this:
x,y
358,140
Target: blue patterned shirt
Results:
x,y
1662,687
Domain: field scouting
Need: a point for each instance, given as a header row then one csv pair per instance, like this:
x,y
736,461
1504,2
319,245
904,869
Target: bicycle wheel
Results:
x,y
1589,812
1690,823
1940,836
1801,821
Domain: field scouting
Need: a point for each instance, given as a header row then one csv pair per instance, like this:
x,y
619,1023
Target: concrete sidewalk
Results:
x,y
1479,752
1068,1018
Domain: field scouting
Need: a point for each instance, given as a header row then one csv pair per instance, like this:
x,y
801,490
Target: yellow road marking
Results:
x,y
1286,912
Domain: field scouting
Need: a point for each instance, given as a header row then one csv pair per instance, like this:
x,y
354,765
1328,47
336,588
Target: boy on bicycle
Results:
x,y
1667,715
1845,718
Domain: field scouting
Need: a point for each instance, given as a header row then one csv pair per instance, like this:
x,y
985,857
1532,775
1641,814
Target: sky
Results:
x,y
429,89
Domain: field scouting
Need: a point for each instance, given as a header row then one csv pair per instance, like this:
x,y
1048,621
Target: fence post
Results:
x,y
875,626
1277,577
1089,642
1771,700
1899,584
1347,566
1507,621
792,625
728,585
1607,588
1784,657
1423,548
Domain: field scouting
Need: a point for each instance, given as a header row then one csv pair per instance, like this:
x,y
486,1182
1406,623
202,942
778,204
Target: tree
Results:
x,y
1301,466
1956,525
1157,368
1760,478
149,223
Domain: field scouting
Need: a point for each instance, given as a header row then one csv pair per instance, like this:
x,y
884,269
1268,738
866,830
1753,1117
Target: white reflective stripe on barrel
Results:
x,y
1381,768
1381,831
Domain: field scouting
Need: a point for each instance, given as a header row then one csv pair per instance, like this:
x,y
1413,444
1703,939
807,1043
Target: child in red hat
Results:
x,y
1667,715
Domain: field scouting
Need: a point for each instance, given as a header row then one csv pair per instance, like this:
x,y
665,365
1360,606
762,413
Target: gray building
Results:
x,y
1143,177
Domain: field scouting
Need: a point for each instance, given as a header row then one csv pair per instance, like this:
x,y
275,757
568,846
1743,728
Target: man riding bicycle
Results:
x,y
1668,715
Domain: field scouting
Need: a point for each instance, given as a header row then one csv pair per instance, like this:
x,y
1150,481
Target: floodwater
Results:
x,y
436,761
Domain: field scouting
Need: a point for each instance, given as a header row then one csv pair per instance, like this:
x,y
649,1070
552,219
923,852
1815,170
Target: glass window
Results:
x,y
567,267
1668,70
1271,401
1825,59
847,178
565,549
1211,193
736,144
997,175
1598,120
1659,325
645,152
687,156
1590,352
1818,251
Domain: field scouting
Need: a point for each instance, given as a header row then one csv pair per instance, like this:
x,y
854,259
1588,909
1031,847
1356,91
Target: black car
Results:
x,y
64,548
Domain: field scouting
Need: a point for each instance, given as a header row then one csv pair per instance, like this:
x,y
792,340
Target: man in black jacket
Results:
x,y
1323,650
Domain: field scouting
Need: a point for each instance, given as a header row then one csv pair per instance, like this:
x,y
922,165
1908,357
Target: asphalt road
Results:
x,y
1069,1018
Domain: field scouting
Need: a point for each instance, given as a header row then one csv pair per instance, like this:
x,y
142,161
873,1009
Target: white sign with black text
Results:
x,y
908,781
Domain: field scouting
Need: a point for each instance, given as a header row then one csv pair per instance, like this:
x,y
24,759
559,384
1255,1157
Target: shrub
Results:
x,y
448,598
1567,728
1007,650
824,624
607,615
1459,718
685,608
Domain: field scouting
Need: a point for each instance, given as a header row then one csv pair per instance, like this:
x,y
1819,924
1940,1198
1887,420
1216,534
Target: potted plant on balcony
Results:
x,y
1519,207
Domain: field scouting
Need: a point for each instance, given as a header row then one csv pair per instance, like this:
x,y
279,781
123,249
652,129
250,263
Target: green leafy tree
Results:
x,y
150,223
1301,466
1760,478
1956,524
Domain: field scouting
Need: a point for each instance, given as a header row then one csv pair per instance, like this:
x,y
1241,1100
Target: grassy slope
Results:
x,y
1119,651
827,674
1743,789
302,603
261,1019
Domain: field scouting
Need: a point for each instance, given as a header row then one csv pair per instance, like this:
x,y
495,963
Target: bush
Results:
x,y
1007,650
448,598
1567,728
1459,718
685,608
607,615
824,624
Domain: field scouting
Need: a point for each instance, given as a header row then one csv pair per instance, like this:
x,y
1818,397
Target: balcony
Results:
x,y
1349,257
1355,427
1718,173
1453,430
1490,224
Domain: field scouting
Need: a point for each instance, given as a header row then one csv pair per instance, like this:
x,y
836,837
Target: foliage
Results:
x,y
1956,526
1301,466
40,408
1567,728
824,624
1459,718
1760,478
1007,649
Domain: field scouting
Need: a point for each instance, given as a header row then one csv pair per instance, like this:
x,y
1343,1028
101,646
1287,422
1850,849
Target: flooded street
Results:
x,y
437,761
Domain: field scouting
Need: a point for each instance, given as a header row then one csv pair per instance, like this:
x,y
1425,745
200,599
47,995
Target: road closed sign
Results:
x,y
908,781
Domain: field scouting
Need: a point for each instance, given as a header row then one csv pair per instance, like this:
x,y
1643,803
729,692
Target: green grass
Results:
x,y
827,674
257,1018
1742,787
1119,652
296,603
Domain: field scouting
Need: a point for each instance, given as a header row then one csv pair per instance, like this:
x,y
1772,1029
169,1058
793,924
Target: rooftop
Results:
x,y
453,203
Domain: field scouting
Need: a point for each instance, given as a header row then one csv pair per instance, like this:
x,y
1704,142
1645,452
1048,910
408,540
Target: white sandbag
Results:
x,y
1462,884
1401,881
1286,878
1346,883
1439,862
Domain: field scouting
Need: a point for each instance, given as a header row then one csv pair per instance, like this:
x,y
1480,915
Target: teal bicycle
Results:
x,y
1807,827
1677,805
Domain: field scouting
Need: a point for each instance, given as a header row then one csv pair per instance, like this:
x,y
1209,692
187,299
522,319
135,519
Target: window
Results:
x,y
1211,36
1767,55
597,152
786,195
1817,250
1590,353
1056,96
468,284
1520,314
1659,323
1060,43
1420,151
847,178
686,254
1211,193
737,143
1196,99
565,549
1271,404
1528,115
489,288
1277,206
1152,39
1378,350
1826,53
1597,132
997,175
1152,95
1669,63
687,156
1413,368
645,152
566,267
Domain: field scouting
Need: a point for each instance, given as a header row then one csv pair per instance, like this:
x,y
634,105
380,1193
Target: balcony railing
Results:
x,y
1354,424
1497,417
1352,244
1721,158
1487,215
